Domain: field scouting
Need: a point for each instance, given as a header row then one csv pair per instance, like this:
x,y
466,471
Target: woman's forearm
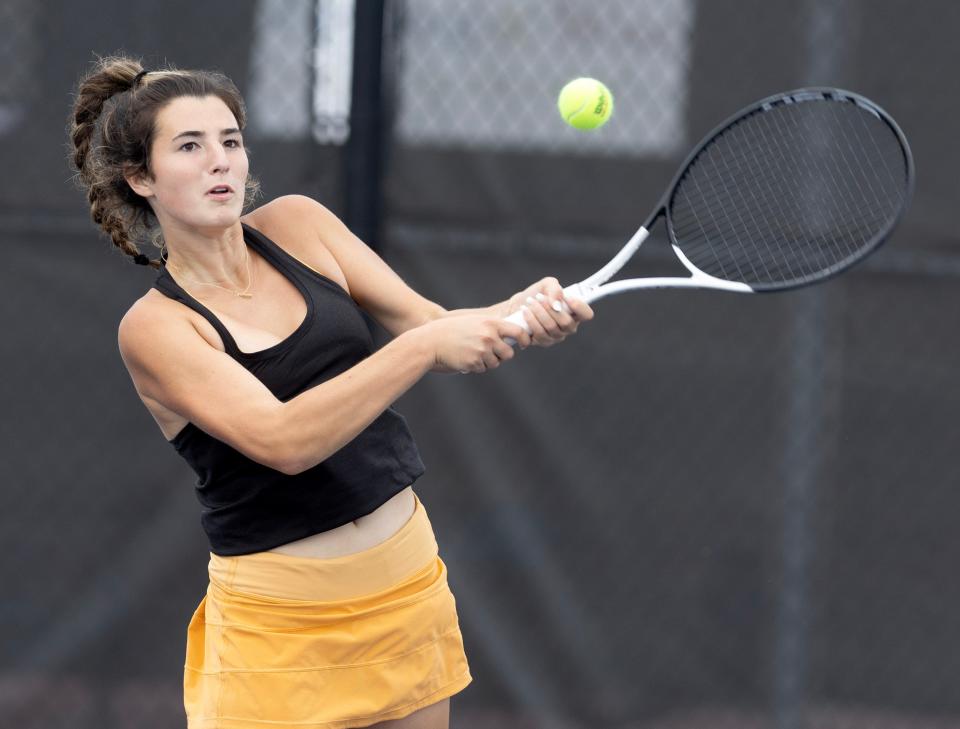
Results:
x,y
499,309
319,421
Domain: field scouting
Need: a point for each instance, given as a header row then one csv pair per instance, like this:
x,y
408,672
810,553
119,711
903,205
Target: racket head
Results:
x,y
789,191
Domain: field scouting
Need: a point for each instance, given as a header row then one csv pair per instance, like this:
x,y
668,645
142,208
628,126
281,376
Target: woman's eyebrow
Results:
x,y
232,130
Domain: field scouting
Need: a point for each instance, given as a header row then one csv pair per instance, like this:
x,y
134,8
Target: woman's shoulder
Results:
x,y
292,208
155,310
152,310
152,304
300,225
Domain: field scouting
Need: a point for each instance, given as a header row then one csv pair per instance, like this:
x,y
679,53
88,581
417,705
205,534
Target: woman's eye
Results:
x,y
232,143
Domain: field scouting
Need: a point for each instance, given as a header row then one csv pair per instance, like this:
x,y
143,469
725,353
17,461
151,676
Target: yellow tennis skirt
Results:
x,y
325,643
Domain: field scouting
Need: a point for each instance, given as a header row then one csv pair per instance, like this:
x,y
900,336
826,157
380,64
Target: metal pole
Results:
x,y
829,36
363,164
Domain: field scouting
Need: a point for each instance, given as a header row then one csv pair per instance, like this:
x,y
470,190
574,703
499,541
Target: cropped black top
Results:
x,y
249,507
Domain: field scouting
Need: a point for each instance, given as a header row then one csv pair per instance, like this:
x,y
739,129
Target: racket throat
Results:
x,y
700,279
596,287
587,290
697,281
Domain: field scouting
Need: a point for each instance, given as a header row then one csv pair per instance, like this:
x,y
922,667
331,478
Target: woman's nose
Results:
x,y
220,162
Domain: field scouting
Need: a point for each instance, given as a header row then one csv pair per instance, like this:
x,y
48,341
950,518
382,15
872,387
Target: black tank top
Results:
x,y
249,507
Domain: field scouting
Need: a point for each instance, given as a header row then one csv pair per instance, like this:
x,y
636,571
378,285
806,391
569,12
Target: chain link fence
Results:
x,y
703,510
487,76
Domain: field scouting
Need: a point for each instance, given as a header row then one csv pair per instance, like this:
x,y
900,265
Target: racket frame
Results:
x,y
594,287
797,96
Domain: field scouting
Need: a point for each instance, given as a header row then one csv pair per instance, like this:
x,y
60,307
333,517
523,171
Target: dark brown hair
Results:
x,y
112,126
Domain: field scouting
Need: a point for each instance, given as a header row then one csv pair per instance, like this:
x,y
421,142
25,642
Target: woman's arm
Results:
x,y
171,363
398,308
461,344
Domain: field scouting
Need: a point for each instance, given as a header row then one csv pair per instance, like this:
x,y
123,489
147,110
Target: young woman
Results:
x,y
328,605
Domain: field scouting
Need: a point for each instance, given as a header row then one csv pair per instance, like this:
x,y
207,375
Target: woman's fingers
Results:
x,y
553,318
543,328
579,309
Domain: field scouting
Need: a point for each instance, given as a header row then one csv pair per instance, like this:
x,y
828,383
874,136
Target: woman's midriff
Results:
x,y
357,536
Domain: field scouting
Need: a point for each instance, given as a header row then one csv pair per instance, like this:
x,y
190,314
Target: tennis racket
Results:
x,y
787,192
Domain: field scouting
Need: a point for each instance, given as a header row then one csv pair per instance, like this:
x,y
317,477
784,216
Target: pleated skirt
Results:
x,y
319,643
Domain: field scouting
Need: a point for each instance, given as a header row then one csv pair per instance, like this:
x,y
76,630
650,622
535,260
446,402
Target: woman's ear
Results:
x,y
140,184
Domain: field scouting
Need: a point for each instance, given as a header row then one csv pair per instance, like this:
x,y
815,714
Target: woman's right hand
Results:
x,y
472,342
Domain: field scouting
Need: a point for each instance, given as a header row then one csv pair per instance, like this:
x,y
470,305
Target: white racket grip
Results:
x,y
517,317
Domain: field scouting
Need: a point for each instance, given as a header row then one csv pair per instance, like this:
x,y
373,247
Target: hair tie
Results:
x,y
137,79
141,260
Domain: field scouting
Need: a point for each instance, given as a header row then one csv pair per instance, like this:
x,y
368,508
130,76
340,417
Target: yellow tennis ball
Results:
x,y
585,103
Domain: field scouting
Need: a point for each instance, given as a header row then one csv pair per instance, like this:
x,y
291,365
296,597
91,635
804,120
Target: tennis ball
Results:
x,y
585,103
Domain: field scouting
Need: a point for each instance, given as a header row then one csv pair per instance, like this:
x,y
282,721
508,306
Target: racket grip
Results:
x,y
517,317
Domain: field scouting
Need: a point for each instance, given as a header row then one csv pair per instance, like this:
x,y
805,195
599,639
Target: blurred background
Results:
x,y
703,510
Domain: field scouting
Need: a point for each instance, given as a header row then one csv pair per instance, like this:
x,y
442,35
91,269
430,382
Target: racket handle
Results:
x,y
518,318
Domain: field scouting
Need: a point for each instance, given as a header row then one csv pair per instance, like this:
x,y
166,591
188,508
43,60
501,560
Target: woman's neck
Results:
x,y
213,257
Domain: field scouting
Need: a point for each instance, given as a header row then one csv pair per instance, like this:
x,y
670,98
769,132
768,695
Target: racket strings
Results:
x,y
776,189
790,193
787,208
778,203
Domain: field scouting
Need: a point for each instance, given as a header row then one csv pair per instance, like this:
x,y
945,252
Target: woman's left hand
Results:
x,y
550,316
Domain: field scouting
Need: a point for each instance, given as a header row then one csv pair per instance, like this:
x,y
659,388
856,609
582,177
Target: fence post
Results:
x,y
363,166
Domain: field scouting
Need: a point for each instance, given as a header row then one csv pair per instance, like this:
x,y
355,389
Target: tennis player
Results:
x,y
328,605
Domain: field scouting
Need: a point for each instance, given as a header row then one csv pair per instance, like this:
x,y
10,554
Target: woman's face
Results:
x,y
197,147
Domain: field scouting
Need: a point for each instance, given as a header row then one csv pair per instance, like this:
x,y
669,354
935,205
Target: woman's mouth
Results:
x,y
220,192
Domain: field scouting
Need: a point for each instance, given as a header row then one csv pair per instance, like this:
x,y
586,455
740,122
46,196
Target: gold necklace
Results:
x,y
242,294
